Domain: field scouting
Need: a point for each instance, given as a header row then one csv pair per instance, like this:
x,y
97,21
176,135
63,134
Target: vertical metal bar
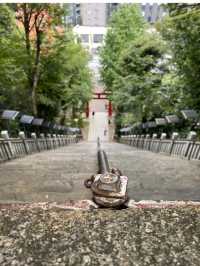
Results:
x,y
102,159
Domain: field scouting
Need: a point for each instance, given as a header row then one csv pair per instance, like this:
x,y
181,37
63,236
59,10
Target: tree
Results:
x,y
139,76
38,20
62,81
12,75
181,30
65,82
171,95
125,25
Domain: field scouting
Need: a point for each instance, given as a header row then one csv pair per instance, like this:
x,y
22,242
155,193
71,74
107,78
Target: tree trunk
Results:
x,y
26,28
34,92
28,45
33,72
36,72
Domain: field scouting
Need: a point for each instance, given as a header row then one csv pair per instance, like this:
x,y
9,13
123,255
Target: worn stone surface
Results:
x,y
59,175
49,176
100,237
155,176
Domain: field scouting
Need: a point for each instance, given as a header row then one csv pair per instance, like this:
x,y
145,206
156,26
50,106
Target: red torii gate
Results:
x,y
100,96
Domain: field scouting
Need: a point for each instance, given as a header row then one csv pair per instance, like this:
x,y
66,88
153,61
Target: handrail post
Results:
x,y
162,137
55,141
58,140
174,137
44,143
49,142
23,138
137,140
191,139
8,147
34,137
134,141
154,137
147,140
142,142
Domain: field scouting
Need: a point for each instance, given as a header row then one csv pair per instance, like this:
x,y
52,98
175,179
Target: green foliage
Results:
x,y
172,97
6,20
125,25
181,30
153,73
63,82
12,74
140,72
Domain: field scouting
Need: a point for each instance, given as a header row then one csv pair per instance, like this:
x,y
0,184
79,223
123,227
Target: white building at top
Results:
x,y
92,38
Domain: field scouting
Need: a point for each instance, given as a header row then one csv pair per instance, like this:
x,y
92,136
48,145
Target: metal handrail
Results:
x,y
102,159
184,148
11,148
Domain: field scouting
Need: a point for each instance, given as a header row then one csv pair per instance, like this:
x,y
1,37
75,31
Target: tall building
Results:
x,y
98,14
90,26
91,31
74,14
152,12
111,7
94,14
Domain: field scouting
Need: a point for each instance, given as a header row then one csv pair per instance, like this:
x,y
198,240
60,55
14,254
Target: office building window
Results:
x,y
85,38
98,38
